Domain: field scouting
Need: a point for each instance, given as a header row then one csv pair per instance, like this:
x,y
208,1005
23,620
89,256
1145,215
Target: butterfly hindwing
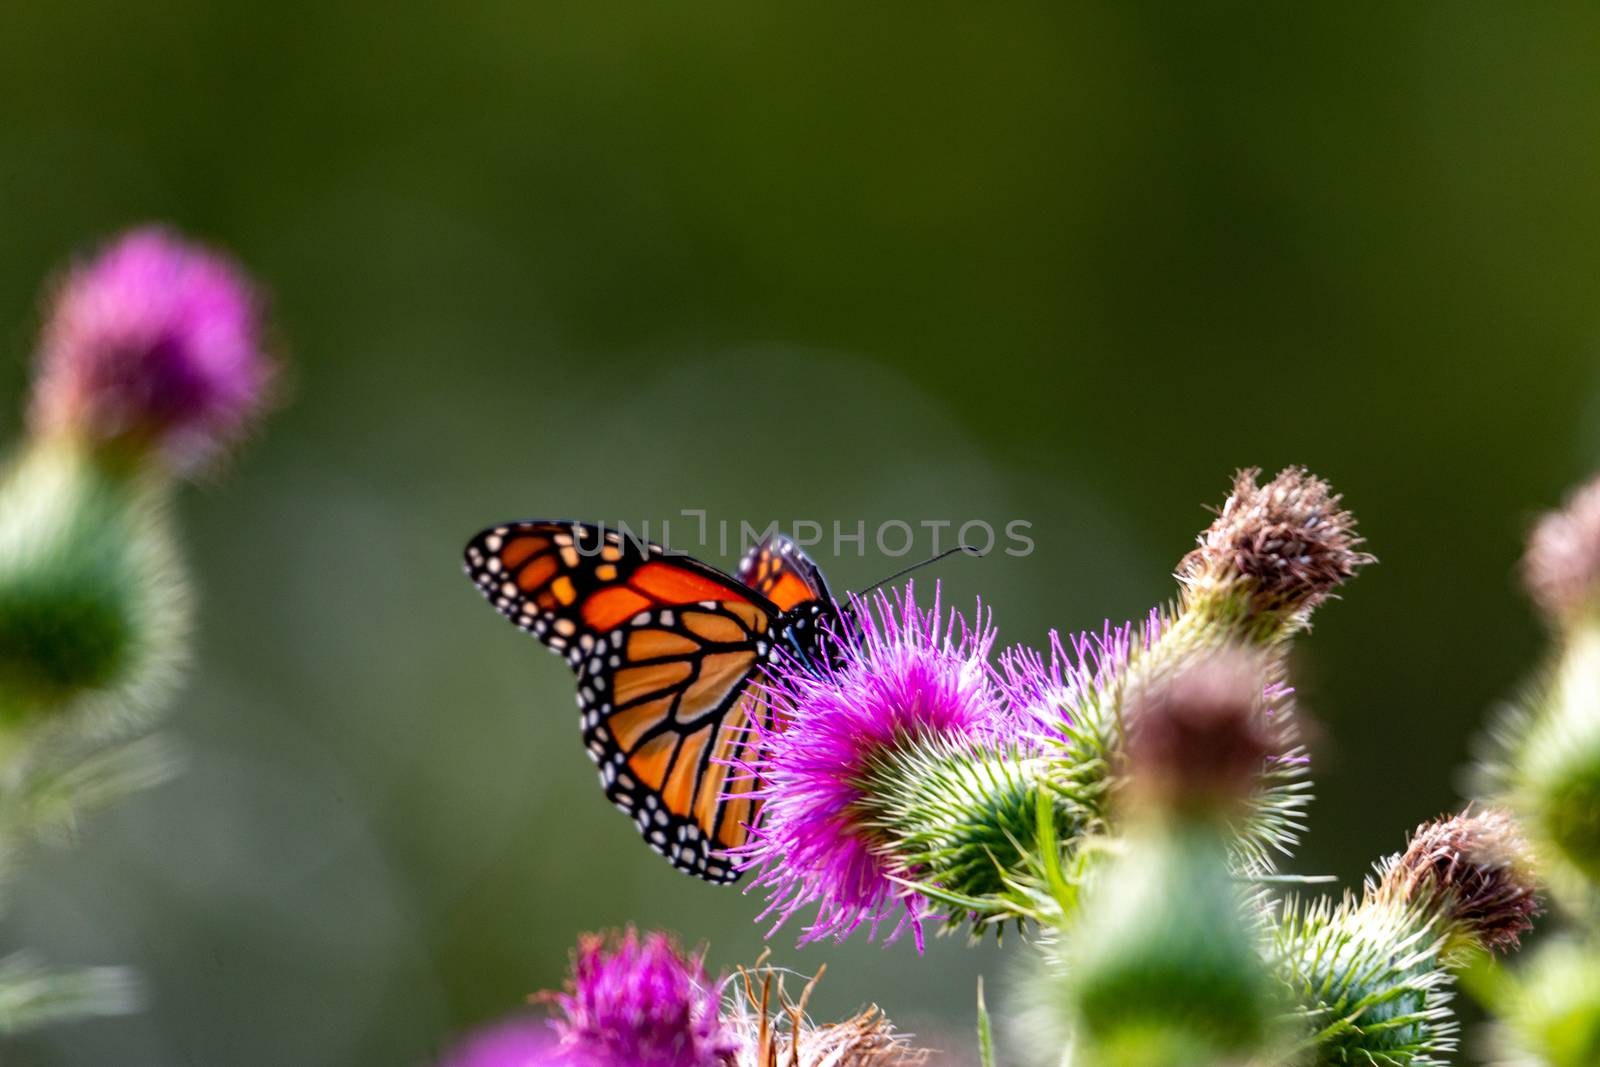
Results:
x,y
664,648
666,705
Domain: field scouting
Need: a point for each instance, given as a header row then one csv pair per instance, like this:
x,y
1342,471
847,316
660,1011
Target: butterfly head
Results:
x,y
818,633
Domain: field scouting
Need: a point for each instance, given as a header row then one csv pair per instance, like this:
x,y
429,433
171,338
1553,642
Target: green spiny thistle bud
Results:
x,y
972,821
1368,982
92,608
1215,735
1371,977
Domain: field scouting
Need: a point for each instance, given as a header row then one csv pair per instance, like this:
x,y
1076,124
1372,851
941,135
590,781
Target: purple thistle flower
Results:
x,y
521,1042
1043,689
639,1002
154,342
909,676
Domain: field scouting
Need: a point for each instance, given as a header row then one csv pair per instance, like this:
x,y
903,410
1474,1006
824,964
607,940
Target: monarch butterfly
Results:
x,y
665,648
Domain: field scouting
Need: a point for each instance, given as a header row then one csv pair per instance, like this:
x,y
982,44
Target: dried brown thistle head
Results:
x,y
1474,870
1288,544
778,1034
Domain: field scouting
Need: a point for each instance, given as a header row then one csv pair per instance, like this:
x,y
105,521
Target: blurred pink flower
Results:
x,y
155,342
522,1042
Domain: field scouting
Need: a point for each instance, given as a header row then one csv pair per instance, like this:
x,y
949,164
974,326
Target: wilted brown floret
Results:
x,y
1198,738
778,1034
1562,566
1474,869
1290,539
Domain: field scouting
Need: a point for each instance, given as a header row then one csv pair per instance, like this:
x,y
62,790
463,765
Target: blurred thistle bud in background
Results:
x,y
150,365
94,610
1561,568
1197,741
1543,764
1548,1013
1163,965
1544,759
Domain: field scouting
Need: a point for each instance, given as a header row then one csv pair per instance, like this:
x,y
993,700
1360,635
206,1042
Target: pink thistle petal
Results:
x,y
639,1002
1043,689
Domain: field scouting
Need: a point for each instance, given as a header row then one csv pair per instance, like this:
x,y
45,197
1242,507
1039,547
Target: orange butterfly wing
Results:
x,y
664,648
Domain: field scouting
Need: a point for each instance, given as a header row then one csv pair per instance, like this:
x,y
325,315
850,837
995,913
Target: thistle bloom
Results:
x,y
639,1002
1049,692
910,682
155,342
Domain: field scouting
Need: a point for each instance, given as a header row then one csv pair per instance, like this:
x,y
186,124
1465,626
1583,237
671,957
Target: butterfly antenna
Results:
x,y
968,549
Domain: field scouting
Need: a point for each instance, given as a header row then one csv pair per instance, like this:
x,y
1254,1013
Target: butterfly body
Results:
x,y
667,652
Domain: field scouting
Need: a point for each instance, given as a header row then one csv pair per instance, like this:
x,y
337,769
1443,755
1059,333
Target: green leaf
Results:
x,y
985,1033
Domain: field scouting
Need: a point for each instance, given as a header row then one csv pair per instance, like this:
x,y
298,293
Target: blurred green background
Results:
x,y
854,262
